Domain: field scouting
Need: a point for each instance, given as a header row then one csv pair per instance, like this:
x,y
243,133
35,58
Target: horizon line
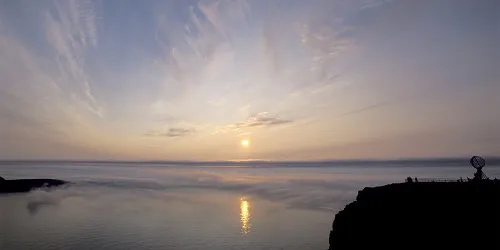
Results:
x,y
248,161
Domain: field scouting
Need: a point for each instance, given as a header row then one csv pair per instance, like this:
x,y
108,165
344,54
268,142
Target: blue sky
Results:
x,y
301,80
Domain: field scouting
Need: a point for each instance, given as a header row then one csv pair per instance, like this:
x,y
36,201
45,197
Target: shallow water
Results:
x,y
176,206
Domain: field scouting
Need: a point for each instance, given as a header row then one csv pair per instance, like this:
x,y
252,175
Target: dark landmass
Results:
x,y
429,215
26,185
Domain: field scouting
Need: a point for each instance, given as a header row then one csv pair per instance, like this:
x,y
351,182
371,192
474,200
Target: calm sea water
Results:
x,y
189,206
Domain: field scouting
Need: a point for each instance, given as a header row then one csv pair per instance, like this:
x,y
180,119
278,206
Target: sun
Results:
x,y
245,143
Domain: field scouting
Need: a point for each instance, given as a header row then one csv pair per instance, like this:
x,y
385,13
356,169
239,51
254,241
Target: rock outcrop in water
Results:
x,y
26,185
420,215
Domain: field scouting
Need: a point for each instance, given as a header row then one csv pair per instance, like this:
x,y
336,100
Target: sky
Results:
x,y
300,80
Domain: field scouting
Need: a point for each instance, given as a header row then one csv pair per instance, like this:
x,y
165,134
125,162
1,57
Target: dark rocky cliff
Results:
x,y
421,216
26,185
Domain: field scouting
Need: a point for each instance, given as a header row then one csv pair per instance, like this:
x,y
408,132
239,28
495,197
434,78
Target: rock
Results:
x,y
421,216
26,185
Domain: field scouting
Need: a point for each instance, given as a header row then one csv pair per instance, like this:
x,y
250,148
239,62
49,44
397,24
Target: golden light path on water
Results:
x,y
245,216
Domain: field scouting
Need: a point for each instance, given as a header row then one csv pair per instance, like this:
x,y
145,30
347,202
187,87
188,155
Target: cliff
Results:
x,y
420,216
26,185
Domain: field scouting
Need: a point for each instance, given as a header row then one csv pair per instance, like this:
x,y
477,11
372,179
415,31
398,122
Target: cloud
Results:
x,y
365,108
64,65
263,119
326,43
325,40
46,90
178,132
70,30
374,3
171,132
197,49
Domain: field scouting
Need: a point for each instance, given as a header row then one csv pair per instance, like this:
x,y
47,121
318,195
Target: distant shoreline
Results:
x,y
420,162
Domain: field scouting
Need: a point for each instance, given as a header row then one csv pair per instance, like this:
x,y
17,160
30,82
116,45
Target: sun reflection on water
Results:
x,y
245,216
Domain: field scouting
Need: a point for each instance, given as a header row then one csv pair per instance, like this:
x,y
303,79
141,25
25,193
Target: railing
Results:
x,y
439,180
461,180
435,180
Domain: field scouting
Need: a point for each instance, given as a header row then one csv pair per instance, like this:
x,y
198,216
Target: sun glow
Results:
x,y
245,143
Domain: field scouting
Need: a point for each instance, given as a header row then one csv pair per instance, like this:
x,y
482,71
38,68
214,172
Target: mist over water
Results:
x,y
190,206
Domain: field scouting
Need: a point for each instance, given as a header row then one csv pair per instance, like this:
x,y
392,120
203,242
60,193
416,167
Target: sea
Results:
x,y
196,205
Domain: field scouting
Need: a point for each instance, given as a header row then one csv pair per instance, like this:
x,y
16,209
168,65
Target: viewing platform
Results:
x,y
440,212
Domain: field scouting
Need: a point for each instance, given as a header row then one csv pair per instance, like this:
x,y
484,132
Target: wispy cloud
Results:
x,y
171,132
178,132
70,29
373,3
325,43
46,90
365,109
263,119
71,75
